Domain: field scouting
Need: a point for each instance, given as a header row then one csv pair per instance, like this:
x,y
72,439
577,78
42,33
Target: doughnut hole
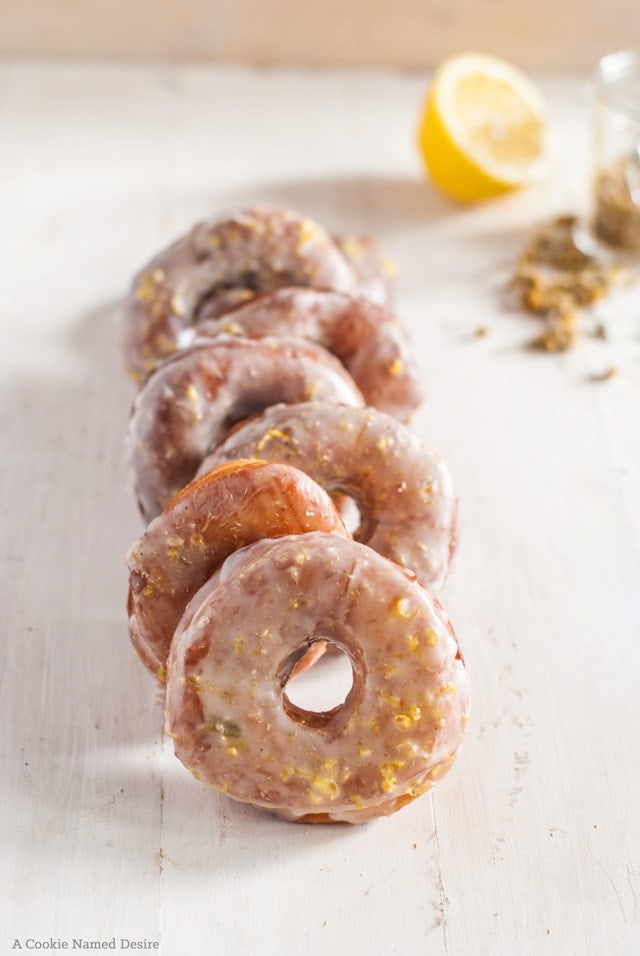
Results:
x,y
317,681
355,514
349,512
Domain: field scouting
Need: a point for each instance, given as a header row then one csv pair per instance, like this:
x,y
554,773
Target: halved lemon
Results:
x,y
483,128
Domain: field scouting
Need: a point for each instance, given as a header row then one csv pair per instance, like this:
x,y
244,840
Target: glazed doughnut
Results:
x,y
232,257
188,404
369,343
233,725
232,506
402,488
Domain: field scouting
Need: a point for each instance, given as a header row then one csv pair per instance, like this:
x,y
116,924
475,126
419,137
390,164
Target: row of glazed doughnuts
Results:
x,y
274,374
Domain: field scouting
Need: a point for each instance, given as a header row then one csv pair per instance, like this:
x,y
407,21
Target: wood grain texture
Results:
x,y
532,845
405,33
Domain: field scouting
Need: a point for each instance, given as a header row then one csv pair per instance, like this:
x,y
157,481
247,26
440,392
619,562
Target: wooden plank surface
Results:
x,y
532,844
557,35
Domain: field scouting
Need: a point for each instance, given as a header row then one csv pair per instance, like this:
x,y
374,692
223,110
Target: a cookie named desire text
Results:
x,y
80,943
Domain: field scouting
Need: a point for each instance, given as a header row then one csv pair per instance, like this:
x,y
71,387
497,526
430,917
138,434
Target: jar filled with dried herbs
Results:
x,y
616,173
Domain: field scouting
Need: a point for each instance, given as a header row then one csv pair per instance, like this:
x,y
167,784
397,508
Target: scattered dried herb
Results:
x,y
558,281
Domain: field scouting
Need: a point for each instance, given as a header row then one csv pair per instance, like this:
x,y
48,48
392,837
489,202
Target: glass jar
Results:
x,y
616,152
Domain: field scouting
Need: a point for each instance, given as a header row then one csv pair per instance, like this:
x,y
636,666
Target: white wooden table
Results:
x,y
532,844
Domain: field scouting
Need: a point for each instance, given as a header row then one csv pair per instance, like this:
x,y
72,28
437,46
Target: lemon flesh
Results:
x,y
483,128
